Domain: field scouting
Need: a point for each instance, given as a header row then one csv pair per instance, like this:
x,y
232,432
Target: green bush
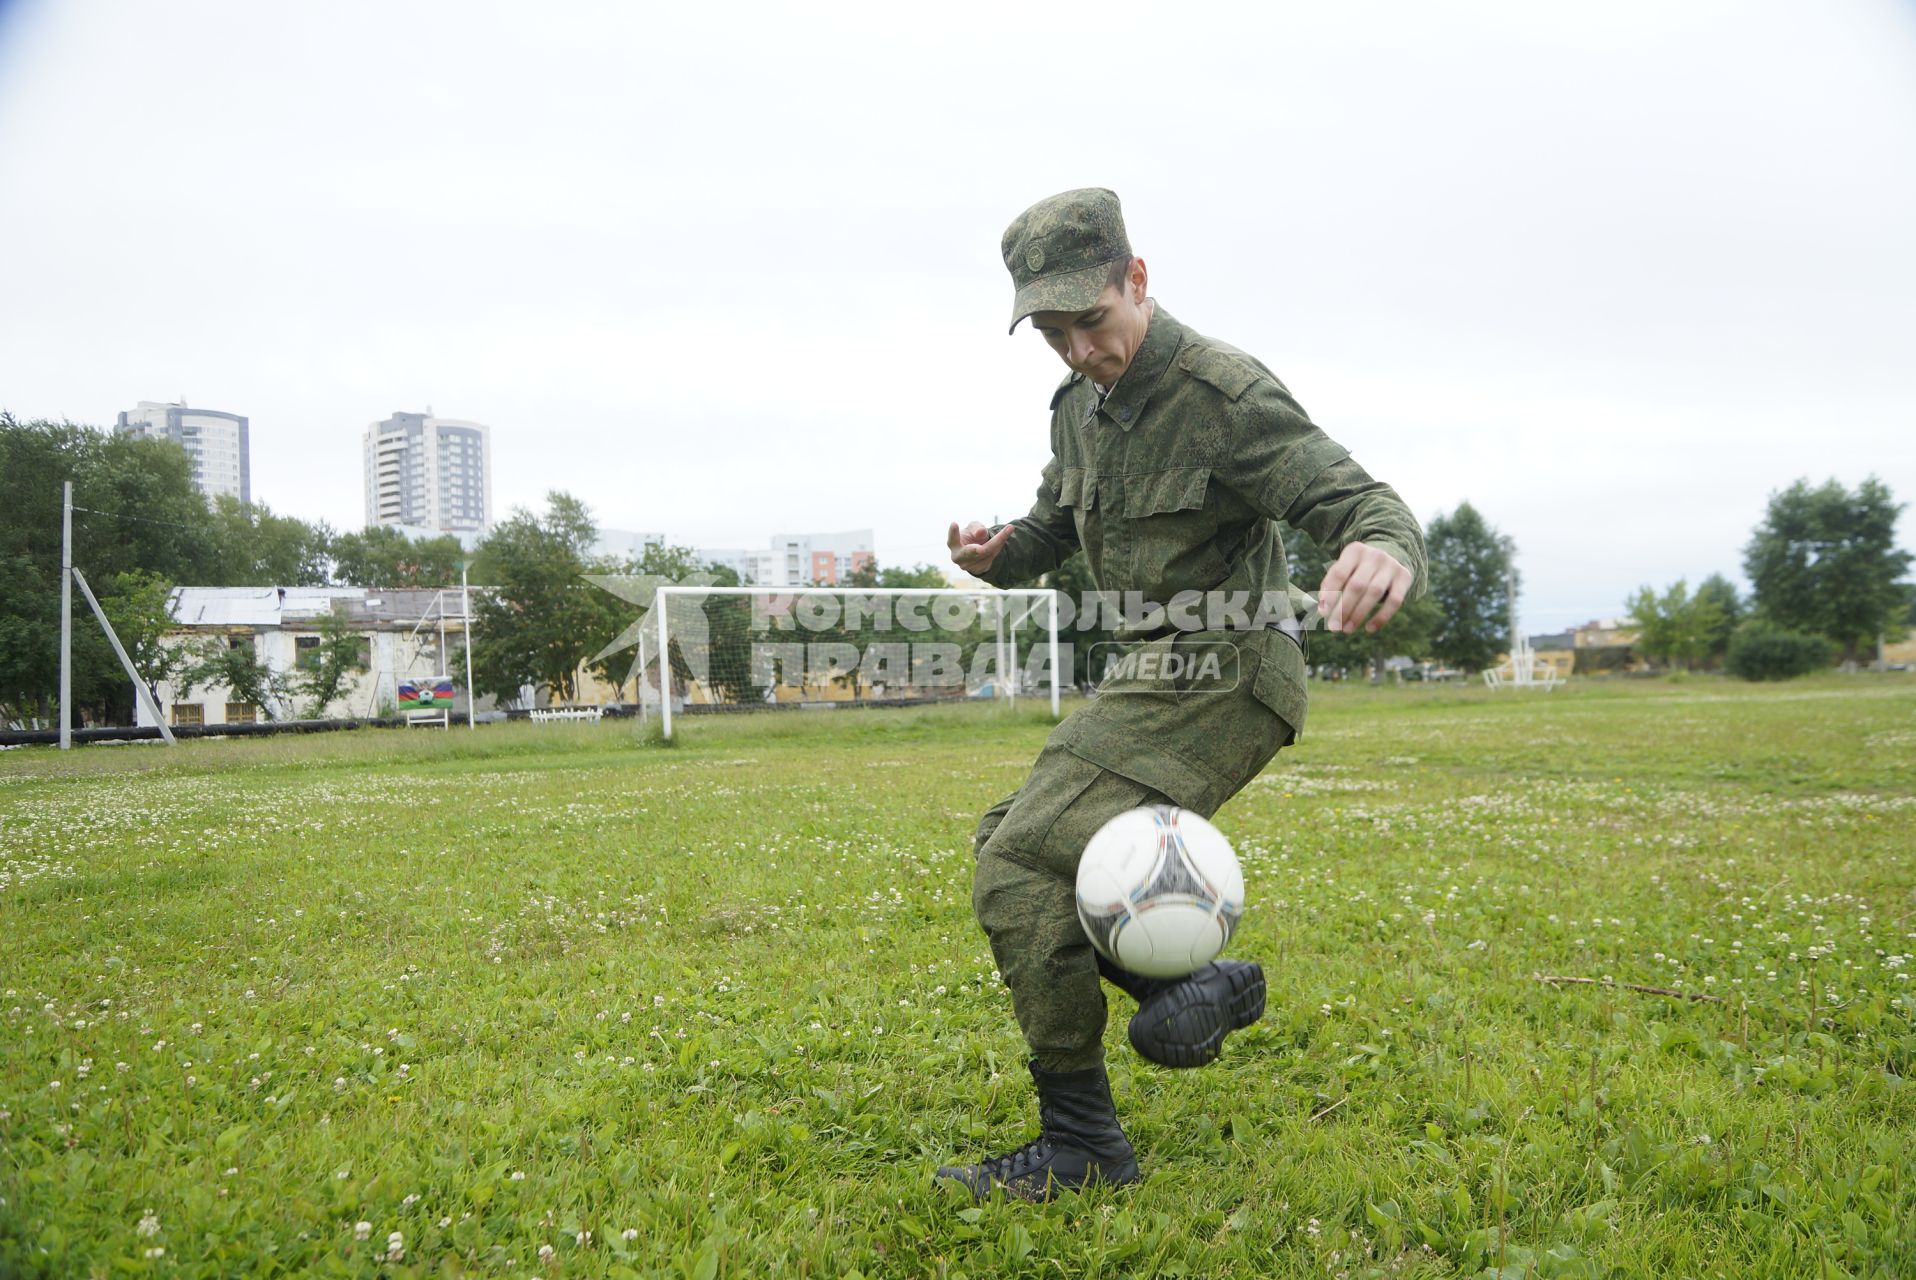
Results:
x,y
1765,651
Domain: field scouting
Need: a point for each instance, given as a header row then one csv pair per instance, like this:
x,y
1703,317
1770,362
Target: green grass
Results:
x,y
722,1005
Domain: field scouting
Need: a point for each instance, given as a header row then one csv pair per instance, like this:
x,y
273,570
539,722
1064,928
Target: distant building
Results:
x,y
624,544
1607,645
798,559
431,474
754,568
400,633
215,442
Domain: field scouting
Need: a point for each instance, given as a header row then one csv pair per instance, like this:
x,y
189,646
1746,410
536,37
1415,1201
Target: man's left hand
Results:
x,y
1364,578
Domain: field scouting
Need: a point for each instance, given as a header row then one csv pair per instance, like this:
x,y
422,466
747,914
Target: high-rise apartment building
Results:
x,y
216,443
429,473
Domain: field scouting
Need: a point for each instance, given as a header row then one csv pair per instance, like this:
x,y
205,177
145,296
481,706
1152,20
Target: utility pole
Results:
x,y
465,606
66,616
1510,605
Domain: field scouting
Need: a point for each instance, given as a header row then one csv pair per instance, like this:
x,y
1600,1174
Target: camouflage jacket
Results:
x,y
1178,482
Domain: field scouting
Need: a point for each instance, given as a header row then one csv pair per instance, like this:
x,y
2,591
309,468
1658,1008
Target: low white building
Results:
x,y
406,635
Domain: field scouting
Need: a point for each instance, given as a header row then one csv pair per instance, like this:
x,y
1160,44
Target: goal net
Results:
x,y
787,648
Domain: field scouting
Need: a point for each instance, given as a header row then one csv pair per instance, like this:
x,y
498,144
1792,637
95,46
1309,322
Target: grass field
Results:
x,y
556,1000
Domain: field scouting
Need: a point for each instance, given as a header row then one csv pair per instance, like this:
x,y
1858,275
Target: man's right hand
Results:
x,y
975,547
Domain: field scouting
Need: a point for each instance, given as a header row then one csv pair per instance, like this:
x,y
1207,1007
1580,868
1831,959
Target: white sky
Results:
x,y
1612,272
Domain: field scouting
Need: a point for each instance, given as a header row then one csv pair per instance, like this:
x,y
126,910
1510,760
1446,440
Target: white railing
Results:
x,y
566,713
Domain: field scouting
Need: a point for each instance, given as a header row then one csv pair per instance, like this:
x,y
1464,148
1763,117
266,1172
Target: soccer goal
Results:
x,y
718,649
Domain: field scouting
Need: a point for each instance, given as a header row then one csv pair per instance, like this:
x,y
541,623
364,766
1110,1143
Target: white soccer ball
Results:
x,y
1159,891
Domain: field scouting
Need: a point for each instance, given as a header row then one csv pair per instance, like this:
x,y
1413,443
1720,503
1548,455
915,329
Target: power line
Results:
x,y
120,515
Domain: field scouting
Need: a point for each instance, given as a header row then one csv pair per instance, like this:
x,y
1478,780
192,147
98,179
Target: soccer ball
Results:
x,y
1159,891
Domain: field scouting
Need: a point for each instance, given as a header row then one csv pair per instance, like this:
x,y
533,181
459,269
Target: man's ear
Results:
x,y
1137,281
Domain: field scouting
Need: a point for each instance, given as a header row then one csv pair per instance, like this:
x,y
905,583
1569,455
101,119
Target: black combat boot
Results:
x,y
1182,1022
1079,1143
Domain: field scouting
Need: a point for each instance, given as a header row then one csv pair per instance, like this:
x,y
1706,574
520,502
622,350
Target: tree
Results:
x,y
1473,579
1676,626
544,620
252,547
136,512
237,667
1825,562
340,652
1761,650
1730,610
381,556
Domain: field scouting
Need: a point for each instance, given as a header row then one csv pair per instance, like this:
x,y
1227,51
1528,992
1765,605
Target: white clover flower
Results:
x,y
630,1233
518,1175
149,1224
545,1253
361,1230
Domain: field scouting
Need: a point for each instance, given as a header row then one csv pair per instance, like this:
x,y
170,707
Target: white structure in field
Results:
x,y
797,559
405,635
216,443
1522,670
427,474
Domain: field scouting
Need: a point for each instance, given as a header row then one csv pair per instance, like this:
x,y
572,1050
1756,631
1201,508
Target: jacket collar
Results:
x,y
1125,404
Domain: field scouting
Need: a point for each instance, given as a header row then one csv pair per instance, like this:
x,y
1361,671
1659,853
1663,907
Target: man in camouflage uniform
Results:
x,y
1174,460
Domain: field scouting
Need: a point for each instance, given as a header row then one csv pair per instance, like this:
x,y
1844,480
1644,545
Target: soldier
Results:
x,y
1174,459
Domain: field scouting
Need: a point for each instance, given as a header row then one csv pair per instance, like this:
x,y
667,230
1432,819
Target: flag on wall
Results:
x,y
425,695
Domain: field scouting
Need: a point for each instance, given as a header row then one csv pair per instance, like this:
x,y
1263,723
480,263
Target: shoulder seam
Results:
x,y
1070,380
1231,372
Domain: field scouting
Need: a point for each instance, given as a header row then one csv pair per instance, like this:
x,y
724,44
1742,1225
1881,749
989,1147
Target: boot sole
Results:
x,y
982,1185
1186,1027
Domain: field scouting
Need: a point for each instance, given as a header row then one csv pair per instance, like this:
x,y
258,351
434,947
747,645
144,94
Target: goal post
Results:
x,y
766,648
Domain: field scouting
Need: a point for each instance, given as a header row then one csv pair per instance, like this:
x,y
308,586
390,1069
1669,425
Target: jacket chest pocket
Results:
x,y
1078,494
1162,530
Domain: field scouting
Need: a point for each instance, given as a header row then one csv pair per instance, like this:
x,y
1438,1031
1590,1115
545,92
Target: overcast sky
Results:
x,y
1613,272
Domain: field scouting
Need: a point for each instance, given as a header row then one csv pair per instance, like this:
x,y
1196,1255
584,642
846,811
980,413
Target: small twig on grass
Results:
x,y
1630,986
1320,1114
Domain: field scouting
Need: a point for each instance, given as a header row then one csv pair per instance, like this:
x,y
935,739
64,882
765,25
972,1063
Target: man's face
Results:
x,y
1100,341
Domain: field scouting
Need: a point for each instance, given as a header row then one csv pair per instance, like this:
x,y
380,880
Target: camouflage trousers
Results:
x,y
1191,748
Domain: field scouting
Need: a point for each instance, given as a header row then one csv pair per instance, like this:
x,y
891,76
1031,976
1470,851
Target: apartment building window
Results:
x,y
186,713
242,713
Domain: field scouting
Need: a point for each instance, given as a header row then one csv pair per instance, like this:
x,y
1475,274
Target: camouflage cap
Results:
x,y
1060,249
